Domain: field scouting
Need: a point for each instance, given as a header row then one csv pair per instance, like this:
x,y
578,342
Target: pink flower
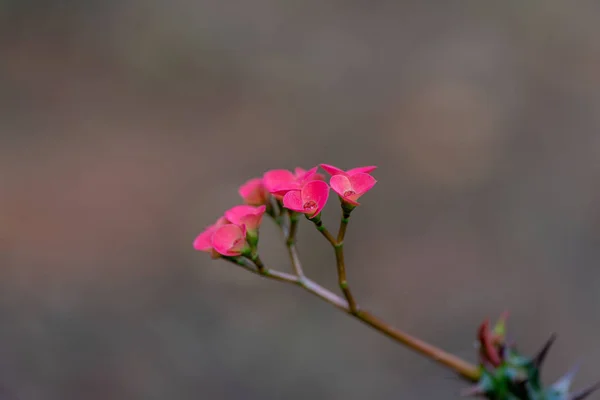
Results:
x,y
303,176
280,181
351,187
336,171
309,200
248,216
230,240
351,184
254,192
204,241
277,178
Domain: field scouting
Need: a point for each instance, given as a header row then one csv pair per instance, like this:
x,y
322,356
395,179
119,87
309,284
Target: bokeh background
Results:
x,y
127,126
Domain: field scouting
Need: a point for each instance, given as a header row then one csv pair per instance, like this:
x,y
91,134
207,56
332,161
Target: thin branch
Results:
x,y
342,281
296,264
291,236
462,367
341,265
281,276
348,305
290,243
266,272
278,213
244,263
324,294
343,225
321,228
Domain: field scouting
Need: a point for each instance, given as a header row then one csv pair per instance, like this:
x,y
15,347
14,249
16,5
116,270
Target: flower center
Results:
x,y
348,193
310,205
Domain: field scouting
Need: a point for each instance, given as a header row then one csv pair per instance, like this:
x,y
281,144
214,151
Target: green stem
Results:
x,y
321,228
291,237
277,212
341,265
291,244
342,281
259,264
343,225
338,246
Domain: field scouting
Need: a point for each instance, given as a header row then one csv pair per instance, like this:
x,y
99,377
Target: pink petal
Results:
x,y
282,189
229,240
362,183
252,222
235,213
302,175
260,210
253,192
331,170
299,171
317,177
293,201
317,192
249,216
310,175
277,177
342,185
352,199
365,170
220,222
203,241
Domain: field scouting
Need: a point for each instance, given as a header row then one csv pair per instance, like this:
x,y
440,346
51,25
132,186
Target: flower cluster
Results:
x,y
301,191
233,234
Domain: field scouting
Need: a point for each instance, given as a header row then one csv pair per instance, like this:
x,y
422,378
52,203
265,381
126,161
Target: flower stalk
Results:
x,y
460,366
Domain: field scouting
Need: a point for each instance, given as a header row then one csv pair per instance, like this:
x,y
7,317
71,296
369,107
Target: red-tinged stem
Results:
x,y
464,368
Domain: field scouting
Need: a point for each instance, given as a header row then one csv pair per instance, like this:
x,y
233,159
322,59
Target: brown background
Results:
x,y
127,126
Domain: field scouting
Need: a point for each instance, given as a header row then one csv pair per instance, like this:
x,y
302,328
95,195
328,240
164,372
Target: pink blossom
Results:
x,y
204,241
277,178
254,192
280,181
248,216
336,171
230,240
304,176
309,200
351,187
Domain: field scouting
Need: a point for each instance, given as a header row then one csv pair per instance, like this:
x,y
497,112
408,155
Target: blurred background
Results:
x,y
127,126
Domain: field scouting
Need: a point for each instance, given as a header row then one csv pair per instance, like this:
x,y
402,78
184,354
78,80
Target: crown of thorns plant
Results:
x,y
502,373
